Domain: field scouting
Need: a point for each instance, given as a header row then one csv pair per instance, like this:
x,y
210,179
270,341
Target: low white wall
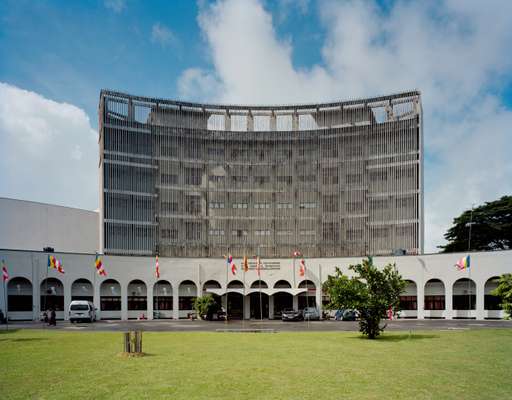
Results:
x,y
109,314
123,270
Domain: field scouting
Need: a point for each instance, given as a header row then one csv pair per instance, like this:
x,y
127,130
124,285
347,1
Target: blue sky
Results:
x,y
67,51
56,56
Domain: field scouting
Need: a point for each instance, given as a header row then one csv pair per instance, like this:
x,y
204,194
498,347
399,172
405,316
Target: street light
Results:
x,y
469,225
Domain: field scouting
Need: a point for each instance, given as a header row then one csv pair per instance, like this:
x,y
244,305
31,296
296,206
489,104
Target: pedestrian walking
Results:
x,y
53,317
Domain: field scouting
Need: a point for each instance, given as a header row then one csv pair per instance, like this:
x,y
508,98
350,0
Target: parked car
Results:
x,y
311,314
291,315
349,315
338,315
82,310
218,314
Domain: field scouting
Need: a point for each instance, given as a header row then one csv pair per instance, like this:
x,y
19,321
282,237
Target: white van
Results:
x,y
82,310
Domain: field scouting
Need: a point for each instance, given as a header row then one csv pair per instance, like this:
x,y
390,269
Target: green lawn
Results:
x,y
47,364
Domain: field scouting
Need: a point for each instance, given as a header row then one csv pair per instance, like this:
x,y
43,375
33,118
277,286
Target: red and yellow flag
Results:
x,y
302,269
99,266
245,264
5,274
258,265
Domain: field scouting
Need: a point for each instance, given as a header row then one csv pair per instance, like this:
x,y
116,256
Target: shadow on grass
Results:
x,y
21,340
128,356
4,331
398,338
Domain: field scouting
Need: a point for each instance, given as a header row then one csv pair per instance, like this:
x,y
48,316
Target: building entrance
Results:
x,y
255,305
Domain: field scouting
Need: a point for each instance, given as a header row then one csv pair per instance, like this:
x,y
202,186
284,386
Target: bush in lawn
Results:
x,y
206,306
371,291
504,292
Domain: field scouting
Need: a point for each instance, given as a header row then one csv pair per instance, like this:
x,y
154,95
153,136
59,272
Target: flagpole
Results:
x,y
259,281
469,250
307,291
6,307
156,288
46,290
95,271
243,267
243,302
227,274
294,279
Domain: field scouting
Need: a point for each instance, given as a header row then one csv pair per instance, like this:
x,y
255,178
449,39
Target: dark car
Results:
x,y
338,315
291,315
349,315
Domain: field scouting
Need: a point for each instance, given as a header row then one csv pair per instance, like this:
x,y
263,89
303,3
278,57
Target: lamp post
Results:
x,y
469,225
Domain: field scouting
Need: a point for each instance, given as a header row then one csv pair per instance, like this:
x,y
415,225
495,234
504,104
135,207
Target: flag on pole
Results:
x,y
99,266
258,265
245,264
55,263
463,263
5,274
231,264
157,269
52,262
59,266
302,269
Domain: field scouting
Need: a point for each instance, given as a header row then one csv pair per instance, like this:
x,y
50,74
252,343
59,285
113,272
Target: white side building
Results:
x,y
29,225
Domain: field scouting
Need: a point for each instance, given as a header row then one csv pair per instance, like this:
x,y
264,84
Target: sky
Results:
x,y
56,56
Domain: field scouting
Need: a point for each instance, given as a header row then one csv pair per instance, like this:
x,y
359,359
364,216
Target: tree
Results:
x,y
371,291
504,292
206,306
491,228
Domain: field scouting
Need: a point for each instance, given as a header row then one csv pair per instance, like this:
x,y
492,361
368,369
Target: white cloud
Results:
x,y
195,80
115,5
456,53
162,35
51,151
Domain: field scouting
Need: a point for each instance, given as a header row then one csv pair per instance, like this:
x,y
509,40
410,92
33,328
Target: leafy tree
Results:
x,y
206,306
504,291
371,291
491,228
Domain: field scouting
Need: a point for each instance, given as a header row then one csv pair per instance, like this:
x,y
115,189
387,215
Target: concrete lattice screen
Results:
x,y
197,180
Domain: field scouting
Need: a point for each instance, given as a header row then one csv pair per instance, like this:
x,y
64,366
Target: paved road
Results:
x,y
212,326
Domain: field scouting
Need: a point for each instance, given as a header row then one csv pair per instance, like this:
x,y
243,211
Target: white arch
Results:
x,y
307,283
110,299
187,291
211,284
82,287
162,287
235,284
282,284
256,284
19,298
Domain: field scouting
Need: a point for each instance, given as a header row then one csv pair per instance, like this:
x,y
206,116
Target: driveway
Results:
x,y
257,325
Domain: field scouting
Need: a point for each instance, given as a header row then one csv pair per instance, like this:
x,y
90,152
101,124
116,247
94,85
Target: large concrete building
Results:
x,y
192,182
199,180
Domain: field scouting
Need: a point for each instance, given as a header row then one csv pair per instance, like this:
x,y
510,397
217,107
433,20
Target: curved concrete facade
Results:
x,y
200,180
436,288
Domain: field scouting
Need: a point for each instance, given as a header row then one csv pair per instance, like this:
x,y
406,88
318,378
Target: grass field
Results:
x,y
45,364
